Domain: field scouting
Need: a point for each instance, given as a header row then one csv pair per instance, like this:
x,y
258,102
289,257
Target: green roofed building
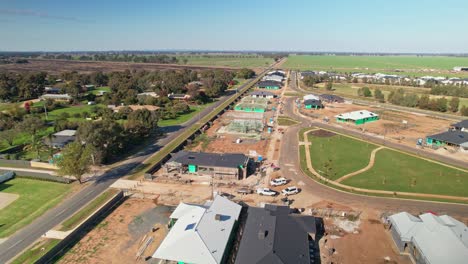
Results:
x,y
252,104
233,166
357,117
269,85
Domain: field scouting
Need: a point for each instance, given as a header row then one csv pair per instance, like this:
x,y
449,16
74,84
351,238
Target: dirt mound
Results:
x,y
322,133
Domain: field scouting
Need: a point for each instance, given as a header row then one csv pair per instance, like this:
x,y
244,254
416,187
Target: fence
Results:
x,y
43,177
61,248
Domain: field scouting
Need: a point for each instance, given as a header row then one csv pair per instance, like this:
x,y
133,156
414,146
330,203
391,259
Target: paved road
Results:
x,y
289,158
26,236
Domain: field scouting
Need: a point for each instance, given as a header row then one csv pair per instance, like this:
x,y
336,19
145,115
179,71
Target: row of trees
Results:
x,y
399,97
164,59
450,90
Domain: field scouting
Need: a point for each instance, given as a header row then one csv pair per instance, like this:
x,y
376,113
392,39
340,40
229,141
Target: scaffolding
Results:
x,y
245,126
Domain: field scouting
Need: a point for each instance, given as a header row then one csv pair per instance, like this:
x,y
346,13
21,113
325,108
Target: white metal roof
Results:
x,y
200,235
355,115
311,97
66,133
440,239
183,209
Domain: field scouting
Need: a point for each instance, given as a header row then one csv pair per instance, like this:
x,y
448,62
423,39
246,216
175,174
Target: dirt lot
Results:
x,y
118,237
391,124
361,241
59,66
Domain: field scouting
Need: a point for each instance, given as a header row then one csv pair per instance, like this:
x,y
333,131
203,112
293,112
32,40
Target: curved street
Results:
x,y
290,157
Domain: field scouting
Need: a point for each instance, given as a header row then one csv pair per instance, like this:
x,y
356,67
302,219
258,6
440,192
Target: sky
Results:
x,y
432,26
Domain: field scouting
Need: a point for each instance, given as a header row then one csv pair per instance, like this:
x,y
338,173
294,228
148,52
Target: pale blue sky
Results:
x,y
298,25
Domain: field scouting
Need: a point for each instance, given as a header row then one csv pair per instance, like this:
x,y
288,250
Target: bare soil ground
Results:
x,y
322,133
404,128
7,198
118,237
370,242
59,66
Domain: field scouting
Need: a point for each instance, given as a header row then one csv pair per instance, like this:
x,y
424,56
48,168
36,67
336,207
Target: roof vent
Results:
x,y
218,217
262,234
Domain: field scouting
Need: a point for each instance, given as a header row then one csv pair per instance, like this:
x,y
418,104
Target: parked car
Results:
x,y
278,182
290,190
244,191
266,191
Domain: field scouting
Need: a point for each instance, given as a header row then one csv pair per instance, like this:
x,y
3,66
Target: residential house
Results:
x,y
174,96
201,233
430,239
52,90
276,78
151,94
357,117
269,85
273,235
262,94
331,98
60,139
234,166
453,138
461,126
310,97
460,68
56,97
313,104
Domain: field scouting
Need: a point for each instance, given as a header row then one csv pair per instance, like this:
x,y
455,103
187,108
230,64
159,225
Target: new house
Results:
x,y
252,104
272,235
61,139
56,97
430,239
232,166
269,85
331,98
460,68
200,233
262,94
174,96
461,126
357,117
453,138
310,97
313,104
274,77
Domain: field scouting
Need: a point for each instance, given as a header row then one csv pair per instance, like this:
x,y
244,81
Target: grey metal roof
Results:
x,y
268,83
461,124
229,160
331,97
262,93
274,236
313,102
452,137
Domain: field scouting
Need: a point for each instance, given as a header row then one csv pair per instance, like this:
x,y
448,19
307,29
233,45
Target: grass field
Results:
x,y
185,117
35,197
86,211
52,115
241,61
338,155
36,251
286,121
386,64
394,171
104,88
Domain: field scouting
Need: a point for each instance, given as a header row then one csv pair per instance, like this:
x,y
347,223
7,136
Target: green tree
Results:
x,y
424,101
76,160
464,111
329,86
245,73
364,91
379,95
441,104
8,136
454,104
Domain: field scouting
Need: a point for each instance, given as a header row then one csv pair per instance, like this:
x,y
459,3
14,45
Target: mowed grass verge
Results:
x,y
337,155
396,171
35,197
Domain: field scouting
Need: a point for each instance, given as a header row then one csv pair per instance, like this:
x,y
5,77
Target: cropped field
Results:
x,y
35,197
395,171
336,156
411,65
228,61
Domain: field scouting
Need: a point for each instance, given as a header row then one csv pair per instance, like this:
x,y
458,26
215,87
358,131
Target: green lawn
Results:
x,y
395,171
97,89
228,61
185,117
36,251
386,64
285,121
338,155
86,211
35,198
73,109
